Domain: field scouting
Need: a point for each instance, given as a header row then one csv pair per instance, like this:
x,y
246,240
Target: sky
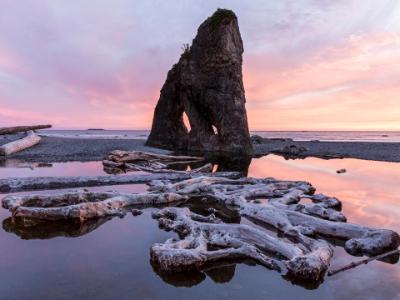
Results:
x,y
308,64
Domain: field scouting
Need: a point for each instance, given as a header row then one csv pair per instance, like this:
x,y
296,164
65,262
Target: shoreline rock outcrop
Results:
x,y
207,85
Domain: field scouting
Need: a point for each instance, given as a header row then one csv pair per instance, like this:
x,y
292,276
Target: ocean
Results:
x,y
353,136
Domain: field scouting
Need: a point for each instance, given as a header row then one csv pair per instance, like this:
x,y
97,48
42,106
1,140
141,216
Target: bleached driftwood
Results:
x,y
135,156
299,251
16,129
270,202
152,167
19,184
309,259
124,161
30,140
81,205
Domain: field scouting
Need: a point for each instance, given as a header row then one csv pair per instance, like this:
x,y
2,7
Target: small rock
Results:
x,y
293,150
256,139
281,139
340,171
136,212
212,210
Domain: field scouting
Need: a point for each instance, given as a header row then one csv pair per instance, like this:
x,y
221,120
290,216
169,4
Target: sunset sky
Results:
x,y
308,65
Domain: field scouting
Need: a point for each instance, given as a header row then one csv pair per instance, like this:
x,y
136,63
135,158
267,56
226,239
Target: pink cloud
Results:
x,y
359,75
105,65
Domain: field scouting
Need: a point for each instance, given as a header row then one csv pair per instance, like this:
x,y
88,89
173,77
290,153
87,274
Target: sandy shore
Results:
x,y
362,150
53,149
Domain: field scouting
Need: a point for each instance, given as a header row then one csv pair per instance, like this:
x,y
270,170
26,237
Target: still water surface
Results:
x,y
109,259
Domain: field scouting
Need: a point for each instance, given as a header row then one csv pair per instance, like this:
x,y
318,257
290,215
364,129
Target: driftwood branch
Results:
x,y
30,140
81,205
355,264
135,156
125,161
16,129
19,184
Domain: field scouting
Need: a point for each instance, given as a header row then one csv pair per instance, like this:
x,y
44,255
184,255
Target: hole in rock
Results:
x,y
186,121
215,129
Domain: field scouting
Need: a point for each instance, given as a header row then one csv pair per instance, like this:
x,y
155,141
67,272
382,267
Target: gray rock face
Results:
x,y
207,85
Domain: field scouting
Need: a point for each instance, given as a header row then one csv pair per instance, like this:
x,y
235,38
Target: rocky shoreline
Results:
x,y
53,149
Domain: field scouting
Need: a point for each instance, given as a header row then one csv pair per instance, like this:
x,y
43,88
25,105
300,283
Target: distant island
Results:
x,y
96,129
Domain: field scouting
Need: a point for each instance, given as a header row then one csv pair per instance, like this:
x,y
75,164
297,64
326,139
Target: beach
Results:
x,y
367,189
63,149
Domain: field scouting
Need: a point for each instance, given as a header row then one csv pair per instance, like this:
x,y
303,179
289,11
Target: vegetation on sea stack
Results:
x,y
221,17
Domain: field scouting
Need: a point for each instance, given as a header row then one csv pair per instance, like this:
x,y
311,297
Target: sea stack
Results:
x,y
207,85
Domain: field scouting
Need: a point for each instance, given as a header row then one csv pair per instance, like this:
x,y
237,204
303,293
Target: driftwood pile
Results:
x,y
285,230
126,161
28,141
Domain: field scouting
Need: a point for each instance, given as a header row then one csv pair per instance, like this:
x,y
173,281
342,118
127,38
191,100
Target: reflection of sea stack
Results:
x,y
207,85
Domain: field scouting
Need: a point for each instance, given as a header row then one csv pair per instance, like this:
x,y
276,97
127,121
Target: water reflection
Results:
x,y
39,229
221,163
120,268
221,273
206,206
17,163
368,190
18,168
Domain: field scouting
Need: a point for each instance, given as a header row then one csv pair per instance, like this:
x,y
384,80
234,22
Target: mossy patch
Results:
x,y
221,17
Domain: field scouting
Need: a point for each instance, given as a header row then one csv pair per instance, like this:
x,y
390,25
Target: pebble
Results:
x,y
136,212
340,171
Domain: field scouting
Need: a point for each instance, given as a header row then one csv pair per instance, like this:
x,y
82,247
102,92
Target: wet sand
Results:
x,y
380,151
54,149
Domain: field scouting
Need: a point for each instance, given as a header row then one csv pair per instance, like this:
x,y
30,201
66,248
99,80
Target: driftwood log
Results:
x,y
30,140
16,129
125,161
81,205
137,156
19,184
298,251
